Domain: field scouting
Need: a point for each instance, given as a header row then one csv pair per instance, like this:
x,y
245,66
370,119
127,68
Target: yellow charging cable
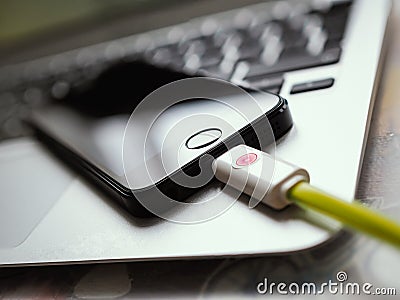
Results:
x,y
354,215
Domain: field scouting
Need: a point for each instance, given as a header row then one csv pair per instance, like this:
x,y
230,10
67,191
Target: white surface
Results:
x,y
26,197
327,140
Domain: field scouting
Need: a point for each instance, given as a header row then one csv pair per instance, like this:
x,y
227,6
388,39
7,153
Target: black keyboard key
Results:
x,y
210,60
312,86
249,50
335,20
294,39
333,43
335,28
339,9
292,60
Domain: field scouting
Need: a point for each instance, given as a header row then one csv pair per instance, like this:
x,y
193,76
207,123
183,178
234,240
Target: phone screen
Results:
x,y
91,122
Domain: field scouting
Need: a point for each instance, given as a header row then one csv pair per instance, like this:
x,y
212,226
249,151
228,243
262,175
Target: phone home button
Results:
x,y
203,138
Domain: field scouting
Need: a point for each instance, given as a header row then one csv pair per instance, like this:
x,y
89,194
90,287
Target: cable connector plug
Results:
x,y
259,175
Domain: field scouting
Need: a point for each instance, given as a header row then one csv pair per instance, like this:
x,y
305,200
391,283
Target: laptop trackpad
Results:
x,y
31,183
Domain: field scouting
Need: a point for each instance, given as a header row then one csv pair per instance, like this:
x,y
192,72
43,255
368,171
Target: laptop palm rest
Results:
x,y
30,185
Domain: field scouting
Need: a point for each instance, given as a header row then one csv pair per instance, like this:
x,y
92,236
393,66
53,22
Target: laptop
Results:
x,y
324,57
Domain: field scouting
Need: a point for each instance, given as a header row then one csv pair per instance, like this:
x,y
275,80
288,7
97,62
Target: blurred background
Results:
x,y
25,22
47,27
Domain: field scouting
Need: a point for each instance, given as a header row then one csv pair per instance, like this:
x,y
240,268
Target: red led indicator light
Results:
x,y
246,159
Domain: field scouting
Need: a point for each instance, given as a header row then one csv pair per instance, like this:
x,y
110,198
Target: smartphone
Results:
x,y
86,130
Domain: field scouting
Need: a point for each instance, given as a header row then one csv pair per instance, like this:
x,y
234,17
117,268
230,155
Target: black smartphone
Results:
x,y
86,129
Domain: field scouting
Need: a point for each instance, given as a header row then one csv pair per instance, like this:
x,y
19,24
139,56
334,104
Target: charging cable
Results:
x,y
278,184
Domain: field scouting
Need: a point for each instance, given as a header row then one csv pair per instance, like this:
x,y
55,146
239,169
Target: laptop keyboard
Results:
x,y
262,50
255,50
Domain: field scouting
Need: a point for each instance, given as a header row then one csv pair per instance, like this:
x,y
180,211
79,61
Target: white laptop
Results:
x,y
327,65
